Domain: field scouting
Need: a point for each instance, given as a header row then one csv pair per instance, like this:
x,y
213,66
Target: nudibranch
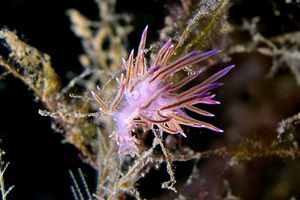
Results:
x,y
147,98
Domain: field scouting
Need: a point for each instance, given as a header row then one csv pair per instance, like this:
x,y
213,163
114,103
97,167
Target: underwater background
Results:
x,y
257,156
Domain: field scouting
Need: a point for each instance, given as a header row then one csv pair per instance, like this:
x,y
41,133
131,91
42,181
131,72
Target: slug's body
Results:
x,y
147,99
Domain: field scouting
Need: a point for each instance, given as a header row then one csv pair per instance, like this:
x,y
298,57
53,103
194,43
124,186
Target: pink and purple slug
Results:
x,y
145,98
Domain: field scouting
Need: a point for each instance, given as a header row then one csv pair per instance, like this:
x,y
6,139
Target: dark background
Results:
x,y
39,162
